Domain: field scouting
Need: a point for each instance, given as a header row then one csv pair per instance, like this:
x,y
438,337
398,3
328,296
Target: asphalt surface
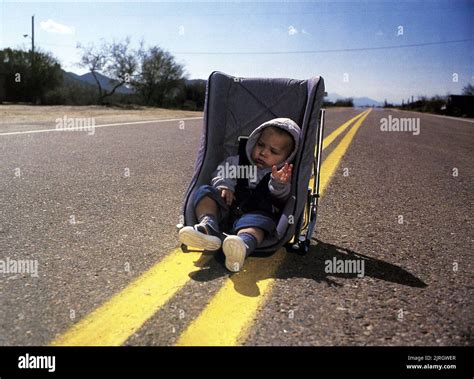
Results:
x,y
96,211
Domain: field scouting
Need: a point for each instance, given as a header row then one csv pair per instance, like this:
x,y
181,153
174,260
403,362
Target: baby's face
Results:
x,y
272,148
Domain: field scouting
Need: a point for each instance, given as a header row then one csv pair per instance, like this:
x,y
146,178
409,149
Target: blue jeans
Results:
x,y
255,219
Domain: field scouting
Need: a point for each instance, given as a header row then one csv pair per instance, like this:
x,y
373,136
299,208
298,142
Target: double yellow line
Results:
x,y
229,314
227,318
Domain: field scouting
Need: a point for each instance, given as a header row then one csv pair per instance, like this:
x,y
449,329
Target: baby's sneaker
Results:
x,y
201,236
235,252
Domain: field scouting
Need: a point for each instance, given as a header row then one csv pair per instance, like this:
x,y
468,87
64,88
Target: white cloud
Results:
x,y
292,30
51,26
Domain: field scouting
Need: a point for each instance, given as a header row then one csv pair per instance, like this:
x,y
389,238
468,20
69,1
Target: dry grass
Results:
x,y
30,114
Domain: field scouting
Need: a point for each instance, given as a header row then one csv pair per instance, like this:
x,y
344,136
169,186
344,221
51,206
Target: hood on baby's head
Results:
x,y
286,124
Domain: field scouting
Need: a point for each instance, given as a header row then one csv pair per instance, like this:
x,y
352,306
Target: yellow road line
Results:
x,y
232,309
326,142
226,319
329,166
330,138
121,316
117,319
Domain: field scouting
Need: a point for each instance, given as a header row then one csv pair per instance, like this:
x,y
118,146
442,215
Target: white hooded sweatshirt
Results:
x,y
279,190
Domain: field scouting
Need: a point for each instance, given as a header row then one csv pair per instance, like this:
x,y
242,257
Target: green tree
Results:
x,y
24,82
468,90
160,79
195,95
115,60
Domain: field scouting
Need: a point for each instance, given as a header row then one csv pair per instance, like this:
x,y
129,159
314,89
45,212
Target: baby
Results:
x,y
251,206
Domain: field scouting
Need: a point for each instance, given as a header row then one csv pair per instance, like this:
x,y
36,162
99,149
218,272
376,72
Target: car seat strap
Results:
x,y
243,161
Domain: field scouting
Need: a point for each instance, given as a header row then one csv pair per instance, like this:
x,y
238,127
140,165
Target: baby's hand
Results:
x,y
227,195
284,174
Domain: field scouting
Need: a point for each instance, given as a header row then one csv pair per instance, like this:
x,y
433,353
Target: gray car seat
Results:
x,y
235,107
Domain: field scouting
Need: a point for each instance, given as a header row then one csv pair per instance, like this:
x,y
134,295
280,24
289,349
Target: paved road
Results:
x,y
98,213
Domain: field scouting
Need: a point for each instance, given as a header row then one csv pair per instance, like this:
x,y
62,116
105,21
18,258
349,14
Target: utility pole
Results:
x,y
33,74
33,34
32,59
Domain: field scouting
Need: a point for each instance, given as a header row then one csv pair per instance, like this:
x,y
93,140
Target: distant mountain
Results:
x,y
71,75
72,78
358,101
194,81
89,81
105,82
332,97
366,102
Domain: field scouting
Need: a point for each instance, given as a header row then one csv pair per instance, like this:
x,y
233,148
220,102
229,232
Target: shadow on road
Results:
x,y
311,266
374,268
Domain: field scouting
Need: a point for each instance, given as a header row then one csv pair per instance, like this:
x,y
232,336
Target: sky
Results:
x,y
358,47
